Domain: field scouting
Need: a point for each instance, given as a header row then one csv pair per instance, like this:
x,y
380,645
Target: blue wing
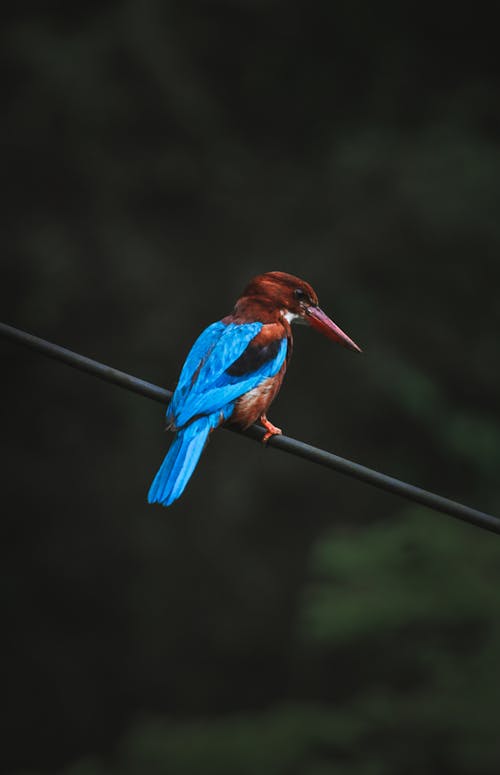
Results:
x,y
206,384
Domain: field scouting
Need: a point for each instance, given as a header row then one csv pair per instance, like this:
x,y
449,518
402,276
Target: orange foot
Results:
x,y
271,429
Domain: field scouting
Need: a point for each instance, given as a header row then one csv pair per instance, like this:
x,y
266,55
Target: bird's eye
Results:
x,y
299,294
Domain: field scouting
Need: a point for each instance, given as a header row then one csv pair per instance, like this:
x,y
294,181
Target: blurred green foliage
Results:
x,y
279,619
401,610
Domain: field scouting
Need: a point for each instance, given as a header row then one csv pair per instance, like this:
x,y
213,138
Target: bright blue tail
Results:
x,y
180,462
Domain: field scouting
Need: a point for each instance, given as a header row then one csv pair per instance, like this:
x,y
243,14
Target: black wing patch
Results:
x,y
253,358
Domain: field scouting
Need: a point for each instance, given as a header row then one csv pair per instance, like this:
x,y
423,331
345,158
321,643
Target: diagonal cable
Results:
x,y
284,443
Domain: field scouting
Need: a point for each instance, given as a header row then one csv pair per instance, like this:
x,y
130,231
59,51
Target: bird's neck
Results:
x,y
257,309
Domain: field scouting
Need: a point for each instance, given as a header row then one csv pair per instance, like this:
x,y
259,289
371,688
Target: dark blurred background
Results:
x,y
280,619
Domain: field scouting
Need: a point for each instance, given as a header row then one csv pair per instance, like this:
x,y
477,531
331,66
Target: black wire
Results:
x,y
285,443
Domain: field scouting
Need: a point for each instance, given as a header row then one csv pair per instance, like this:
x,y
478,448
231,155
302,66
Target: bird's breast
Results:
x,y
251,405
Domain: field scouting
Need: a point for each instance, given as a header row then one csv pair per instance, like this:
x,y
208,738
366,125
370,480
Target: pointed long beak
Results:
x,y
322,323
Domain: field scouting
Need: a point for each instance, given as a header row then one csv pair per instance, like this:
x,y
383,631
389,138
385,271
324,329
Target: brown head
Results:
x,y
297,302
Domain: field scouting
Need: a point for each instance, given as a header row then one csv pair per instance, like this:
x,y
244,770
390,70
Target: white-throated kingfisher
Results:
x,y
234,371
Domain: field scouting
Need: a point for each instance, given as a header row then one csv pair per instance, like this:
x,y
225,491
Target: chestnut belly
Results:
x,y
249,407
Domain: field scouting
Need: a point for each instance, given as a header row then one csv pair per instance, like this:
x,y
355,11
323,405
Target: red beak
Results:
x,y
322,323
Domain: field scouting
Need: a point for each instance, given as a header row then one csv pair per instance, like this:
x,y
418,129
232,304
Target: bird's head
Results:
x,y
297,302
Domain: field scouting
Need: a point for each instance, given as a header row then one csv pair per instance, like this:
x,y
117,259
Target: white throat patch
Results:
x,y
289,316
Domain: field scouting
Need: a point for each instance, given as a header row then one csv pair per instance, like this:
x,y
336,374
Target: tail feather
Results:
x,y
179,463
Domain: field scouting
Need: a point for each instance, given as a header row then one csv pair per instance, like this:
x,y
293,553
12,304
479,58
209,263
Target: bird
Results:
x,y
234,371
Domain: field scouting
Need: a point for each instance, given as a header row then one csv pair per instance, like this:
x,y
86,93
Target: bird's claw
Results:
x,y
271,429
